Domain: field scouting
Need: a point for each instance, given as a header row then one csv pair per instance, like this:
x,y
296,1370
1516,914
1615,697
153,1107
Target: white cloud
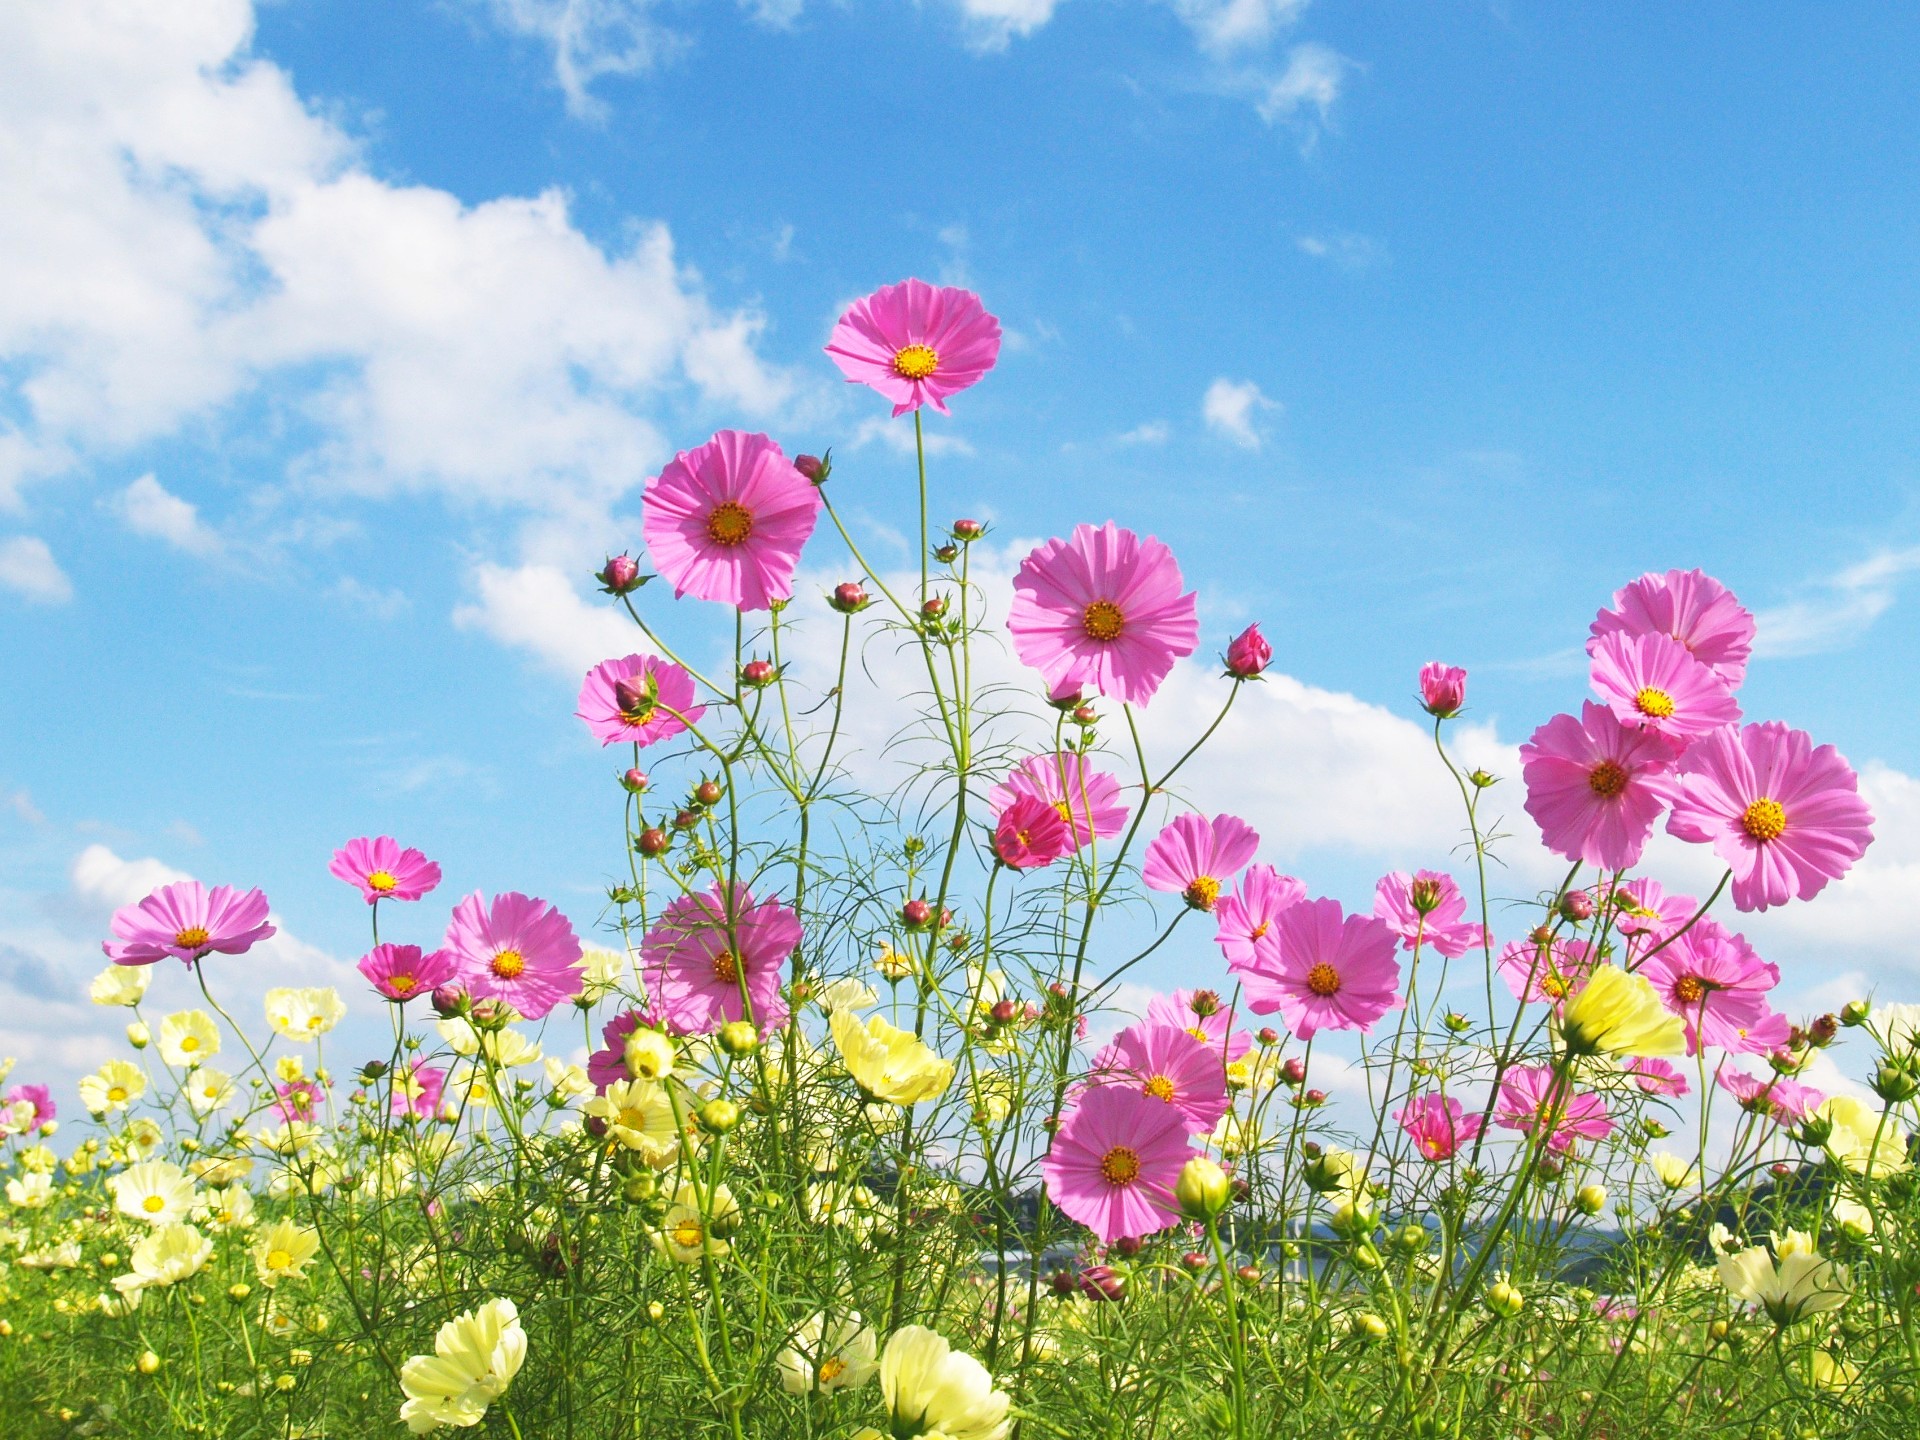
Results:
x,y
1843,608
1226,25
536,608
27,568
993,24
101,878
149,508
897,436
1231,409
1153,432
1347,251
592,39
1312,81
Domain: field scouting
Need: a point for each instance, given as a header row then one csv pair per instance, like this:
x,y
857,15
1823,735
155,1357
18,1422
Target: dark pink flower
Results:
x,y
916,343
381,870
1029,834
706,954
1195,857
300,1099
1249,654
517,950
1323,969
1114,1161
1437,1125
1428,909
1717,985
1443,689
726,521
1653,683
418,1089
402,972
1530,1098
187,921
1201,1015
1784,817
604,1067
1087,799
40,1097
1691,607
640,698
1541,971
1248,913
1595,787
1656,1077
1172,1066
1103,609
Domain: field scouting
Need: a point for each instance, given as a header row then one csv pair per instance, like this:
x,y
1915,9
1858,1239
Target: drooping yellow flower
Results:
x,y
120,985
893,965
112,1088
1862,1139
156,1191
605,969
475,1357
1830,1372
888,1063
283,1250
933,1389
230,1208
648,1055
1803,1283
303,1014
30,1192
1674,1173
828,1356
1620,1014
187,1038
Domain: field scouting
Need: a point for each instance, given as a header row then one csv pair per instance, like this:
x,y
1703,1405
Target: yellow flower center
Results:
x,y
729,523
381,880
831,1369
688,1234
915,362
189,1042
1120,1165
1160,1088
1690,989
1103,620
509,965
279,1260
1607,779
1202,892
1323,980
1198,1034
1064,810
117,1093
726,968
192,938
402,984
1764,820
632,1118
1655,704
1553,986
313,1022
153,1204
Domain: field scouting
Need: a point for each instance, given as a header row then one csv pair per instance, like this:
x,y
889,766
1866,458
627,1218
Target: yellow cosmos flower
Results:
x,y
156,1191
120,985
1620,1014
1862,1139
168,1255
887,1063
933,1389
828,1356
475,1357
304,1014
112,1088
639,1116
605,969
187,1038
30,1192
1801,1284
690,1229
1674,1173
208,1091
283,1250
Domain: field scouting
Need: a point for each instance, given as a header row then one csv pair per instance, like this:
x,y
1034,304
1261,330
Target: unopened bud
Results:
x,y
1855,1012
1267,1035
634,781
717,1117
1003,1012
652,841
815,467
848,598
148,1363
1504,1300
1203,1190
1294,1071
1576,905
685,819
139,1036
1482,780
1249,654
1895,1082
1590,1199
621,576
708,792
756,673
916,914
738,1037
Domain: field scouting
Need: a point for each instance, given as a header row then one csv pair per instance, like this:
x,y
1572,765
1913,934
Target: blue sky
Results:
x,y
340,338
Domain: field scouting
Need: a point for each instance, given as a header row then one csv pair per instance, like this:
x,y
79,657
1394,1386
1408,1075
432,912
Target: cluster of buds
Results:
x,y
1071,701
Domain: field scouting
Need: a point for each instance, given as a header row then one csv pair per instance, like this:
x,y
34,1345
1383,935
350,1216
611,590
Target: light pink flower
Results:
x,y
1689,606
1249,654
1656,1077
381,870
1029,834
1087,799
1437,1125
299,1099
1195,857
1322,969
1717,985
40,1097
726,521
1787,1102
1645,912
1528,1099
1784,817
517,950
1114,1161
640,698
1428,909
1545,971
402,972
1201,1015
187,921
916,343
1443,689
1595,787
707,952
1653,683
1103,609
1172,1066
1249,912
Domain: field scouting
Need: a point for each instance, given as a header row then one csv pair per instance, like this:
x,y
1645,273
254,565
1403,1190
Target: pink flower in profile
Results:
x,y
1644,911
1172,1066
706,952
641,698
1529,1098
1195,857
1543,971
40,1098
1114,1161
1103,609
1443,689
417,1090
1784,817
1087,799
916,343
517,950
1653,683
187,921
1595,787
726,521
381,870
1201,1015
1691,607
1717,985
1785,1101
1322,969
1437,1125
300,1099
1249,654
1656,1077
1029,834
402,972
1247,915
1428,909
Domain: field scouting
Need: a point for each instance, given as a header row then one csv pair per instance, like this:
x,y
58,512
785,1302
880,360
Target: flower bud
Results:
x,y
717,1117
1101,1282
1368,1326
1249,654
1061,1283
968,530
1294,1071
848,598
640,1187
148,1363
621,576
934,606
238,1293
946,554
685,819
1483,780
1895,1082
1457,1024
1504,1300
1855,1012
1202,1191
737,1037
916,914
634,781
1443,689
1194,1260
1313,1099
1003,1012
756,673
1066,697
1248,1274
1815,1130
1576,905
138,1035
1085,715
708,792
1412,1238
1590,1199
1129,1245
815,467
652,841
448,1000
1824,1030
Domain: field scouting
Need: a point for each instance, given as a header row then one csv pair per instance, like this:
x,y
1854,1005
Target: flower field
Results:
x,y
828,1124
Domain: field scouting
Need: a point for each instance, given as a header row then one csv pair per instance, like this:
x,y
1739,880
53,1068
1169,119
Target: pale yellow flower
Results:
x,y
168,1255
565,1081
120,985
303,1014
209,1090
826,1356
283,1250
230,1208
690,1229
476,1355
1830,1372
933,1389
892,965
648,1055
30,1192
1853,1217
1620,1014
291,1069
113,1087
639,1116
605,969
188,1037
156,1191
143,1140
1862,1139
1801,1284
887,1063
1674,1173
846,993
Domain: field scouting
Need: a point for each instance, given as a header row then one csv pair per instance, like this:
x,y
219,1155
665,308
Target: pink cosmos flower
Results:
x,y
704,952
1114,1161
40,1097
1794,1103
604,1067
1656,1077
1103,609
1437,1125
1249,654
640,698
381,870
1689,606
187,921
401,972
517,950
1175,1068
1248,913
1087,799
1785,1101
1195,857
1595,787
916,343
726,521
418,1090
1643,911
1322,969
1653,683
1716,984
300,1099
1544,971
1785,817
1428,909
1201,1015
1443,689
1029,834
1528,1099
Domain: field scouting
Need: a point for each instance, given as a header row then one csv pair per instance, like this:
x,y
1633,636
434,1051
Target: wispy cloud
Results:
x,y
1840,608
1153,432
1347,251
27,568
1223,26
1232,409
1303,94
148,508
592,39
899,438
994,24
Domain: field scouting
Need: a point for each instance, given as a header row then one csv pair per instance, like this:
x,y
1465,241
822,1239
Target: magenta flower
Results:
x,y
187,921
1201,1015
916,343
1249,654
1691,607
705,954
1595,787
1653,683
1246,916
1087,799
640,698
1784,817
1030,834
1787,1102
604,1067
1427,909
1717,985
1172,1066
40,1097
1543,971
1103,609
1443,689
417,1090
726,521
1114,1162
1195,857
1643,911
382,870
1437,1125
300,1099
1528,1099
1656,1077
518,950
1322,969
401,972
